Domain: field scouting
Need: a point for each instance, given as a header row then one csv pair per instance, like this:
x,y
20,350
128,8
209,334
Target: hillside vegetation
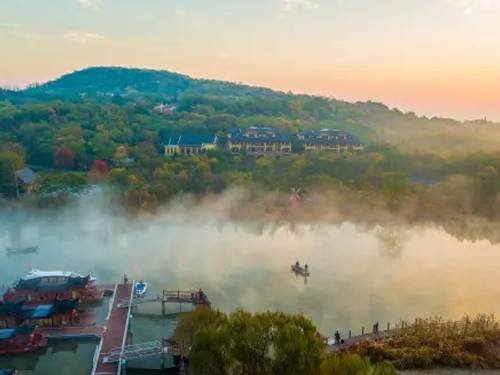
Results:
x,y
103,121
216,105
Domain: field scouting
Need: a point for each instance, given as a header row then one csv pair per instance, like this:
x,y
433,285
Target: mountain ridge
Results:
x,y
371,121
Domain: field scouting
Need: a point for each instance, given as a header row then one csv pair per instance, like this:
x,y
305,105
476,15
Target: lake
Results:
x,y
359,276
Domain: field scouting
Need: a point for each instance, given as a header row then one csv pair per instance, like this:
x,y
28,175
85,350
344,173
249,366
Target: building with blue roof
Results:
x,y
260,140
190,144
61,312
330,140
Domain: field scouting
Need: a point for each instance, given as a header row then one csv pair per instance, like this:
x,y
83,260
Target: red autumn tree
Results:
x,y
99,170
64,158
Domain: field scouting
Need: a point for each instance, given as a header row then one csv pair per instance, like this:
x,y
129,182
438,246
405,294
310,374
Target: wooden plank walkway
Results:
x,y
353,341
116,329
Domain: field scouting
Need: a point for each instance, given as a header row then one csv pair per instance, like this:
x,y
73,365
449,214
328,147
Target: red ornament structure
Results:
x,y
295,197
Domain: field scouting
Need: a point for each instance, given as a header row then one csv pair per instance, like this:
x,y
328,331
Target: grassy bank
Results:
x,y
473,343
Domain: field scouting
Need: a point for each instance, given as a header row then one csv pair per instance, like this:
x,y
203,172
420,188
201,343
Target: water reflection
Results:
x,y
361,274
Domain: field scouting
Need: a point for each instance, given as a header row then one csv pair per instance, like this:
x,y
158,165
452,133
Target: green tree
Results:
x,y
250,344
10,163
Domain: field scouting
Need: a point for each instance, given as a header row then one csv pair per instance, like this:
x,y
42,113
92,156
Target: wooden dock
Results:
x,y
115,333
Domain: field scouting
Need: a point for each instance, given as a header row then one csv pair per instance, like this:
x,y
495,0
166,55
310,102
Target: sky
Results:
x,y
432,57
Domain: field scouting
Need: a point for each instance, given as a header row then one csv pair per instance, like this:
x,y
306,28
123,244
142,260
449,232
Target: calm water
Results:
x,y
358,276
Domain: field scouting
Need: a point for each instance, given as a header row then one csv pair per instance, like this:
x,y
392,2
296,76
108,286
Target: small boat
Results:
x,y
141,288
21,250
300,270
8,371
20,340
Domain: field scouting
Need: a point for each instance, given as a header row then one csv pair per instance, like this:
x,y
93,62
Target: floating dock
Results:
x,y
114,336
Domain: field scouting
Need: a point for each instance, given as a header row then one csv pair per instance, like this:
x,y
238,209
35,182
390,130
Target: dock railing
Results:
x,y
486,322
99,347
125,331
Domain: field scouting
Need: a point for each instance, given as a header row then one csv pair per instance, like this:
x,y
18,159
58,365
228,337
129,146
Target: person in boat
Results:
x,y
297,264
306,267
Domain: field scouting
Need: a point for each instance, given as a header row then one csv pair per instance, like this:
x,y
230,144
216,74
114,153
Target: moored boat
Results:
x,y
141,288
21,250
60,275
23,339
300,270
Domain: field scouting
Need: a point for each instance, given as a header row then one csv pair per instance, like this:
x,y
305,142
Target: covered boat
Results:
x,y
300,270
23,339
21,250
36,274
141,288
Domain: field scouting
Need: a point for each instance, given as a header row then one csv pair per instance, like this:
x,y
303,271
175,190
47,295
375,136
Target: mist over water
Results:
x,y
358,276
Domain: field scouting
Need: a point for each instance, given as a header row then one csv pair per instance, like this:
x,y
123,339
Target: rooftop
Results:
x,y
348,141
41,311
191,140
44,311
10,308
313,132
277,138
51,284
9,333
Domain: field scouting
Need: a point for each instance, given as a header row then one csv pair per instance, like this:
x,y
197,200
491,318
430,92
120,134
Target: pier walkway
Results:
x,y
167,296
115,334
401,327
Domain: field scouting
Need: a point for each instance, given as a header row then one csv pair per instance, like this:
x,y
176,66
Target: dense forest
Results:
x,y
100,124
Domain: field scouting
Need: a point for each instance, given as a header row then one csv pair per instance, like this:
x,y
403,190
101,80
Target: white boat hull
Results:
x,y
140,289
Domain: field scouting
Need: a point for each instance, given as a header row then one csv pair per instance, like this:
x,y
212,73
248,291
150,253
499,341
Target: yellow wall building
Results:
x,y
337,141
186,145
259,141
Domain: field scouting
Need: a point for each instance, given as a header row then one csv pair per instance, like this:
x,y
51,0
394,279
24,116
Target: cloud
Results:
x,y
79,37
469,6
89,4
289,6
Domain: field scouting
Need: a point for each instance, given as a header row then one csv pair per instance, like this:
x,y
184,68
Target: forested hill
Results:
x,y
209,105
137,83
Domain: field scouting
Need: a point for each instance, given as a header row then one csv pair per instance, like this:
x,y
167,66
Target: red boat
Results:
x,y
24,339
61,313
34,289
